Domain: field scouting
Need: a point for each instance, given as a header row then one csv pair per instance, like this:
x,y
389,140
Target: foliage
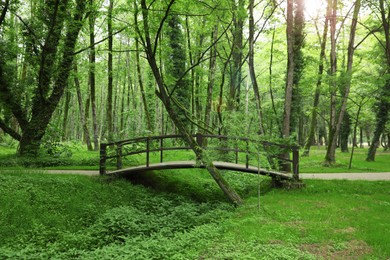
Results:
x,y
69,216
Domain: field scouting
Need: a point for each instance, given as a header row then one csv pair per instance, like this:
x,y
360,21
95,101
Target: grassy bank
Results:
x,y
184,215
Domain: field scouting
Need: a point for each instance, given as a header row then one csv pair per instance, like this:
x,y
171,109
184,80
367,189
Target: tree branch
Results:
x,y
368,34
4,12
98,42
15,135
161,25
36,51
379,40
200,59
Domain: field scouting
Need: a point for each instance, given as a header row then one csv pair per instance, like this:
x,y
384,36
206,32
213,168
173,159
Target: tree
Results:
x,y
53,68
290,70
162,93
337,118
81,108
110,123
238,11
211,76
251,64
383,103
316,100
289,78
180,90
91,74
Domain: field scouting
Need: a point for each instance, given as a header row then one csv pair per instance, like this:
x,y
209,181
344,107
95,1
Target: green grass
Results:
x,y
182,214
314,163
89,160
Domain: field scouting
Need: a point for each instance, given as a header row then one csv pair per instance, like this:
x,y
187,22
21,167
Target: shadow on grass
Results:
x,y
198,185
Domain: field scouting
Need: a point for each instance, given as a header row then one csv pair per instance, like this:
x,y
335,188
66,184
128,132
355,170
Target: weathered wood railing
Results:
x,y
202,141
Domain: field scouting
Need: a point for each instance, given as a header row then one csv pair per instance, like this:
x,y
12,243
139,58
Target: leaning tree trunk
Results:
x,y
165,98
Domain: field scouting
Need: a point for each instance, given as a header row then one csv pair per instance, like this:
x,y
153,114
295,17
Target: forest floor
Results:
x,y
182,214
60,208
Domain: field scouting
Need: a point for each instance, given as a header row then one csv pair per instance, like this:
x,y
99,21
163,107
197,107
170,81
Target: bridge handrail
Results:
x,y
199,138
158,137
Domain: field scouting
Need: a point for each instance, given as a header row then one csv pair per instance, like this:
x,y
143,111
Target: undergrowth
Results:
x,y
184,215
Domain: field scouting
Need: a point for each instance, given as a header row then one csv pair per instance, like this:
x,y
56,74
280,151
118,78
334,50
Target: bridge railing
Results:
x,y
143,145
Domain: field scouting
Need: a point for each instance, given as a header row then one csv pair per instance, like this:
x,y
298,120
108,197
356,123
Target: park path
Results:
x,y
372,176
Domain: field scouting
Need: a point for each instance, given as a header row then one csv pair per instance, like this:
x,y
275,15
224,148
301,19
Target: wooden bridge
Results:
x,y
243,149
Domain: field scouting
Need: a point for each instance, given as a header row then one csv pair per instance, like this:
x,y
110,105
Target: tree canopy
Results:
x,y
107,70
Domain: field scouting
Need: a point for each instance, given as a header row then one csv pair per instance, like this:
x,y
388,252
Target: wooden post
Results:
x,y
119,157
161,149
247,154
236,147
147,151
295,163
103,155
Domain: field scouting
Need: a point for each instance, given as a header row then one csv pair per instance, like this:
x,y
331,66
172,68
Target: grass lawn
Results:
x,y
313,164
182,214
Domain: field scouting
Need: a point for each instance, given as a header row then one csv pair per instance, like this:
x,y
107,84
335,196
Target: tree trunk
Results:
x,y
191,60
299,64
290,70
141,86
355,130
313,121
43,107
270,82
110,73
345,130
330,157
81,109
237,47
66,113
92,84
289,80
163,95
211,77
252,66
382,114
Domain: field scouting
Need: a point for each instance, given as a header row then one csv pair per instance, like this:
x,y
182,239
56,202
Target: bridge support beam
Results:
x,y
103,158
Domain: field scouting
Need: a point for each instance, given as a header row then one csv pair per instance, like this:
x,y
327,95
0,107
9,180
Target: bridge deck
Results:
x,y
192,164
